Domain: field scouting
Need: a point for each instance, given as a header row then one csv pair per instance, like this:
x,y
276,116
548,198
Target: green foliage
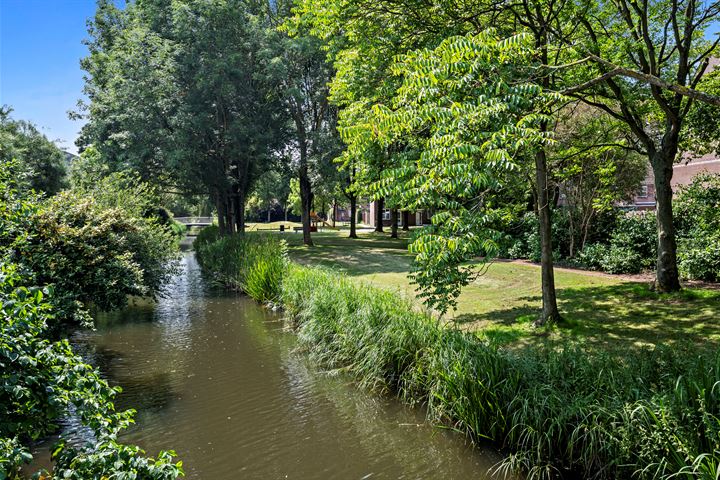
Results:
x,y
42,381
85,250
703,120
252,263
294,197
96,245
522,239
206,236
652,414
41,164
185,95
698,207
631,247
459,123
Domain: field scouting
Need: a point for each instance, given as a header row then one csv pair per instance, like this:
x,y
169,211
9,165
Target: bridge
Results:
x,y
195,221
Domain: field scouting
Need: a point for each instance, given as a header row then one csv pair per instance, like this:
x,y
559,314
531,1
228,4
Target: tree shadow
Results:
x,y
151,392
369,254
626,316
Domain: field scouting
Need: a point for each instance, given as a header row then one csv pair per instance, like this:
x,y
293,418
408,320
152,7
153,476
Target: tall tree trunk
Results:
x,y
550,311
240,211
334,212
379,208
353,216
394,223
268,217
666,276
230,216
405,220
306,202
306,196
221,207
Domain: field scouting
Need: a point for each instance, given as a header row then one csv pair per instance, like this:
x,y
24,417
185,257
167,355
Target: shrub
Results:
x,y
42,381
96,255
523,240
95,250
699,256
593,256
623,259
206,236
698,212
652,414
630,248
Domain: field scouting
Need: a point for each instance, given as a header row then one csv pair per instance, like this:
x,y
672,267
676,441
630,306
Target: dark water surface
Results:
x,y
214,377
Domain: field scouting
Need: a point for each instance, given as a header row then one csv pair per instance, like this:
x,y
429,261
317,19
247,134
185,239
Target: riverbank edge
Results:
x,y
563,413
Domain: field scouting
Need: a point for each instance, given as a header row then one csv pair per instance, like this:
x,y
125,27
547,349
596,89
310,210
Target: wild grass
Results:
x,y
562,412
252,263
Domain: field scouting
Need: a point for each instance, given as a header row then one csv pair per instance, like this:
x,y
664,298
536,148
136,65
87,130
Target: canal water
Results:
x,y
215,377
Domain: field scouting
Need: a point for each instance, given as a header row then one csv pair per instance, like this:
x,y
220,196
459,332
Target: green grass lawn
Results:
x,y
601,310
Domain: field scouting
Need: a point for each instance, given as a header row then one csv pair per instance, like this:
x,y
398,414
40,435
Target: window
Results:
x,y
386,214
643,191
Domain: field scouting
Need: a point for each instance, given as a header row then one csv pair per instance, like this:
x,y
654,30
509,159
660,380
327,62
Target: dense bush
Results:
x,y
95,246
628,248
572,413
522,239
42,380
626,242
697,210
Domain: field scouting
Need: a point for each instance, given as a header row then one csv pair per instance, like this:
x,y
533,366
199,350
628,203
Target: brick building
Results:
x,y
419,217
683,174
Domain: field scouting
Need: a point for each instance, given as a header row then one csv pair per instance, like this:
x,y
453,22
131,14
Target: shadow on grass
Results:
x,y
366,255
626,315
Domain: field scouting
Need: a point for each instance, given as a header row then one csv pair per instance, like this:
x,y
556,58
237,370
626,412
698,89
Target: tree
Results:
x,y
641,62
41,162
350,191
703,120
595,168
269,191
364,38
458,151
302,72
180,93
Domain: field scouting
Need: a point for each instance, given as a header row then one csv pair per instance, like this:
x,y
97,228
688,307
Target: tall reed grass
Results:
x,y
252,263
562,413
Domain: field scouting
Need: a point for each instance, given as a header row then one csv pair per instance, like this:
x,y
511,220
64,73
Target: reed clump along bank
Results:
x,y
560,412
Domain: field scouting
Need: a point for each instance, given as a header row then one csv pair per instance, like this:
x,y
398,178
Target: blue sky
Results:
x,y
40,51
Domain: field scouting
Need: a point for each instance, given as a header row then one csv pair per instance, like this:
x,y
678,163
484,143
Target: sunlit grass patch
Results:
x,y
605,310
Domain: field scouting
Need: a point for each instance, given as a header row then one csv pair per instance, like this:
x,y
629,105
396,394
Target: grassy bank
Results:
x,y
562,412
604,311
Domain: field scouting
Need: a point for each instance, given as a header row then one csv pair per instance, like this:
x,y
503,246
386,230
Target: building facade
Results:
x,y
368,212
683,174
